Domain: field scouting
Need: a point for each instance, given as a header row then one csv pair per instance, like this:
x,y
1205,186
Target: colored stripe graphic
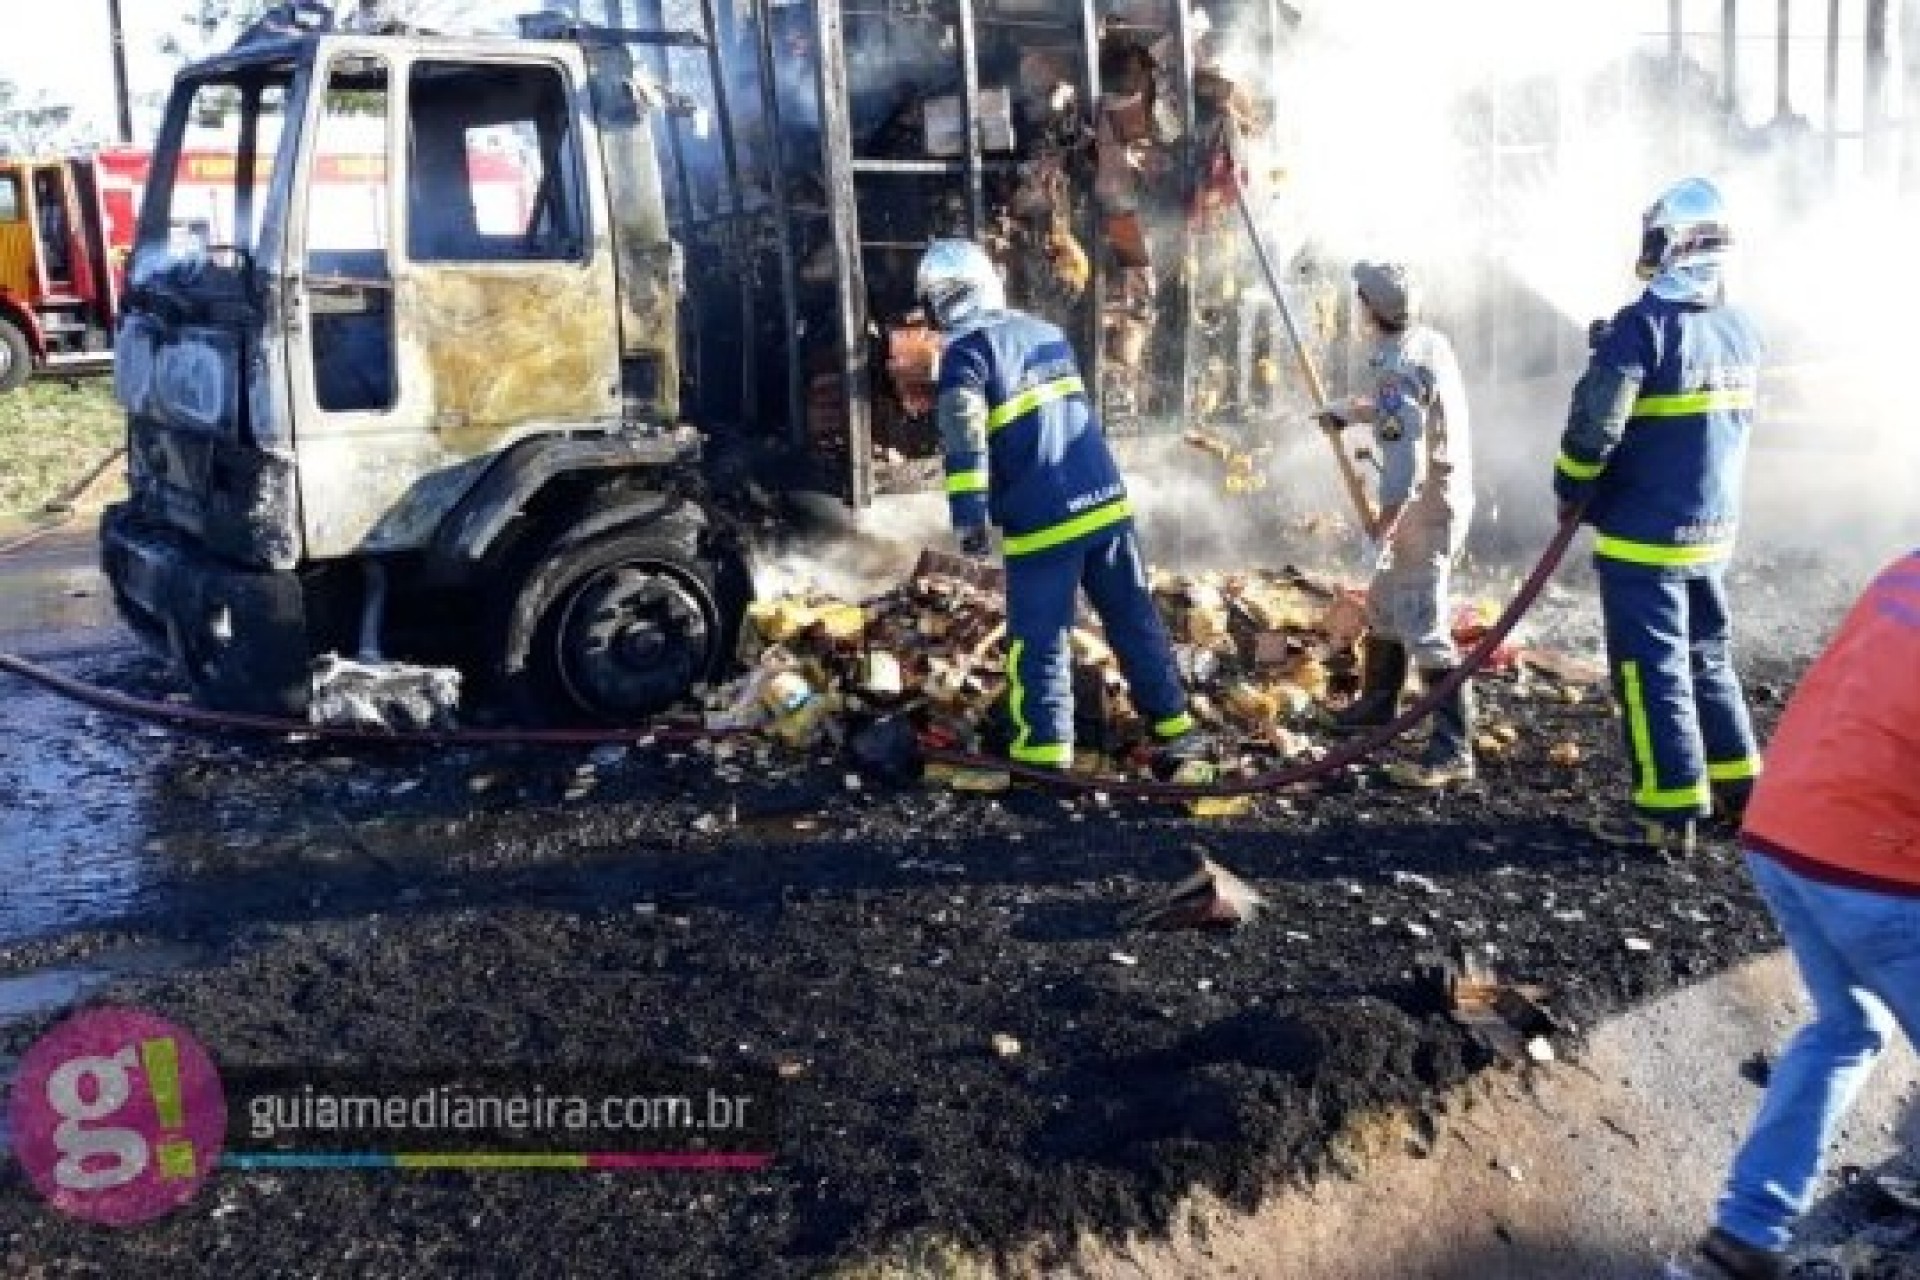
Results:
x,y
484,1160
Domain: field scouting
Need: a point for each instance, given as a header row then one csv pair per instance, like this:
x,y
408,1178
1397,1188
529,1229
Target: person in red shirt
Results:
x,y
1832,838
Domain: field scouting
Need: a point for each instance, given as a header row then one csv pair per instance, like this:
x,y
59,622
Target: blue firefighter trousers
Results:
x,y
1669,644
1042,592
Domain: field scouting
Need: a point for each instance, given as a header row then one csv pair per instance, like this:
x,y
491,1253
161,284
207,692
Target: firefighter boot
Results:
x,y
1448,757
1723,1257
1668,841
1383,670
1186,756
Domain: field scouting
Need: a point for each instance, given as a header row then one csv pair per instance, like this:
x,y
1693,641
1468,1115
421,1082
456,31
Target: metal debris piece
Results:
x,y
1506,1018
975,780
1564,754
1562,667
1005,1046
985,575
395,696
880,673
1220,806
1210,898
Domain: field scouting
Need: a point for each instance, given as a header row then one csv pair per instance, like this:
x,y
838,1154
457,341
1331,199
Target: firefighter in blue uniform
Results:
x,y
1656,447
1024,451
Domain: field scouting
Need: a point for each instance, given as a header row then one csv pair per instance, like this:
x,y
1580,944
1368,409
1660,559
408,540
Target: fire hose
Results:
x,y
61,507
201,719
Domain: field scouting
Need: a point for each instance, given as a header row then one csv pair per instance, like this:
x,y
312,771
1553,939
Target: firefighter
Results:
x,y
1655,447
1024,451
1417,407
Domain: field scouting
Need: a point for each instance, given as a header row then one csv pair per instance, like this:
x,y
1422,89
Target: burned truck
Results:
x,y
497,422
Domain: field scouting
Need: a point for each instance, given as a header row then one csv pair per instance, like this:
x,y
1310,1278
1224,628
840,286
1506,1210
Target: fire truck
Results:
x,y
65,226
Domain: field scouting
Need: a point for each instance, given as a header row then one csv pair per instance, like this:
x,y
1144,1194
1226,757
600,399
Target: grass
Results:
x,y
52,433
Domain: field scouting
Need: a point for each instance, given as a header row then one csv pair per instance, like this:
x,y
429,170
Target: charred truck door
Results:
x,y
455,299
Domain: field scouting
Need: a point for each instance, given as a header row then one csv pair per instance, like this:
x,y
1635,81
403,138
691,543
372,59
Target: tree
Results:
x,y
29,126
209,27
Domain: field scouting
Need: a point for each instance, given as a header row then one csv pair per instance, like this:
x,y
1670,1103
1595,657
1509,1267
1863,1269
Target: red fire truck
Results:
x,y
66,224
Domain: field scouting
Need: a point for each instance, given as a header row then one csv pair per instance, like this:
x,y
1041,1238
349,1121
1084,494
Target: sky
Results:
x,y
62,47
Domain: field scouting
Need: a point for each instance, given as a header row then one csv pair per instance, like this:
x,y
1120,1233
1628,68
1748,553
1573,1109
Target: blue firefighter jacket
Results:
x,y
1656,441
1039,467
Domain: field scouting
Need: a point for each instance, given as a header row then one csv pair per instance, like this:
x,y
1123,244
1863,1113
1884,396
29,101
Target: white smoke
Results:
x,y
1514,184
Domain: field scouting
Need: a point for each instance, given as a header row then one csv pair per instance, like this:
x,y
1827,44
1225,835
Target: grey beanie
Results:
x,y
1387,289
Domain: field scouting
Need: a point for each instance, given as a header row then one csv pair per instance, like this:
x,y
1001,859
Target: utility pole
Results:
x,y
123,101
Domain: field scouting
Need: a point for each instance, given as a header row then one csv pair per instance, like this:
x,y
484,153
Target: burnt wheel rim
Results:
x,y
633,638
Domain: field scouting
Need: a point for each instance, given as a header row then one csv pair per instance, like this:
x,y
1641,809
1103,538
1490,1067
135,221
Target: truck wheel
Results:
x,y
614,628
16,357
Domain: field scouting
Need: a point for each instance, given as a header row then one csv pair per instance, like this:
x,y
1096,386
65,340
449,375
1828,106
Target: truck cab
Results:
x,y
401,376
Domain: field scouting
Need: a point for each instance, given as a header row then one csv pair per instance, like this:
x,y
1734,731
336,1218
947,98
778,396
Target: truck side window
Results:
x,y
9,197
495,171
347,243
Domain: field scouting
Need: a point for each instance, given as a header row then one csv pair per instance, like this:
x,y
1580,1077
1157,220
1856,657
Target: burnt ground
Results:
x,y
434,909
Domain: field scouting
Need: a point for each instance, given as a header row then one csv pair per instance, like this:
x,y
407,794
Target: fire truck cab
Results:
x,y
64,224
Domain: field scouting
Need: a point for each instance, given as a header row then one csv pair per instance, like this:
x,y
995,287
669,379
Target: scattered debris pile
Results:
x,y
1264,654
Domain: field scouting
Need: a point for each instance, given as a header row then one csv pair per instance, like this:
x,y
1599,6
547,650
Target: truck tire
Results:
x,y
16,357
615,628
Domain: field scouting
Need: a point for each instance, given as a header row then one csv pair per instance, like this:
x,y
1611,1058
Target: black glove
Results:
x,y
1597,332
975,541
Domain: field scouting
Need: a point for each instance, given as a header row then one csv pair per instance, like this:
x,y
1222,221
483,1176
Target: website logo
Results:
x,y
117,1116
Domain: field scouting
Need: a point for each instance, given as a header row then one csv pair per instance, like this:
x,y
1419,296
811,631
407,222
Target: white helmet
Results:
x,y
1688,223
957,283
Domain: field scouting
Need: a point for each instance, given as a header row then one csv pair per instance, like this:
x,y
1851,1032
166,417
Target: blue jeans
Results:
x,y
1859,956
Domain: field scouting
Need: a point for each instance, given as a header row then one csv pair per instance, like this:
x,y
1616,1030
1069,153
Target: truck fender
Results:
x,y
23,319
471,530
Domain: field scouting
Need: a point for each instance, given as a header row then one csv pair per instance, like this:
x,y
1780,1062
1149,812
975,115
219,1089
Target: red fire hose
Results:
x,y
200,719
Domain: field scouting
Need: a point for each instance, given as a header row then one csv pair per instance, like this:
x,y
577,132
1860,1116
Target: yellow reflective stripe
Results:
x,y
1734,770
1049,753
1693,402
1649,794
1659,555
1574,469
1173,726
1033,398
1067,530
966,482
1691,798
